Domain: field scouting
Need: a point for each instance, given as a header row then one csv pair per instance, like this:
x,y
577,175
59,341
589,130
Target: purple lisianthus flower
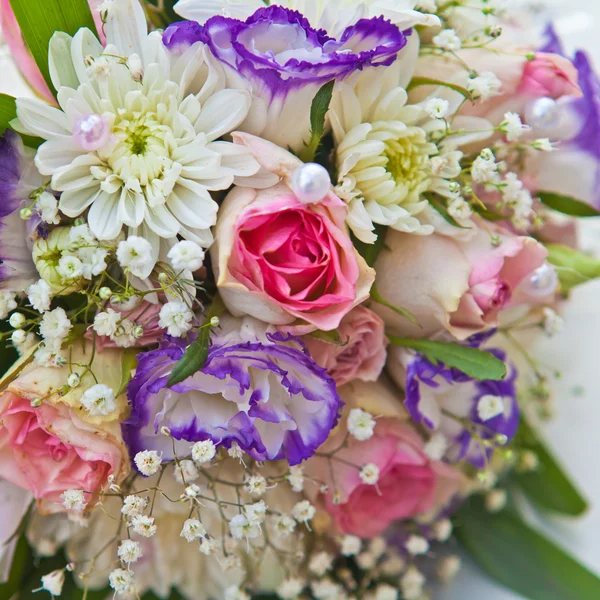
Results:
x,y
17,270
284,61
267,395
573,169
447,402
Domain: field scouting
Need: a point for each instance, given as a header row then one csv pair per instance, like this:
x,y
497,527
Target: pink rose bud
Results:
x,y
549,75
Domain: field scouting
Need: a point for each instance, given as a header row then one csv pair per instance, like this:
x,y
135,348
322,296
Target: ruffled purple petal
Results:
x,y
268,397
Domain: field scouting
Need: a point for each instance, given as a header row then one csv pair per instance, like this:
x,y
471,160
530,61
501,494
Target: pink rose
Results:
x,y
58,445
409,485
361,353
549,75
49,449
461,286
282,261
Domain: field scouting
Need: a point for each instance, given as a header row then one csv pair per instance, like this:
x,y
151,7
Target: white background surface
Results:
x,y
574,434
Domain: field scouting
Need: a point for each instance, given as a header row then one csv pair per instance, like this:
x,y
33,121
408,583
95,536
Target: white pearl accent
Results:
x,y
543,113
311,183
542,282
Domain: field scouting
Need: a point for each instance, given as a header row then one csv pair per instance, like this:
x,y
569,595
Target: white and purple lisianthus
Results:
x,y
445,399
17,270
284,61
266,395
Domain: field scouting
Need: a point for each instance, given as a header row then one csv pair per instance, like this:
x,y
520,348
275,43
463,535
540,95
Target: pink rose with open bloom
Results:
x,y
361,352
58,446
282,261
461,286
409,484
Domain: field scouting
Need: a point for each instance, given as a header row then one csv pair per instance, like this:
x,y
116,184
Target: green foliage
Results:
x,y
318,112
518,557
478,364
567,205
548,487
40,19
573,267
377,297
420,81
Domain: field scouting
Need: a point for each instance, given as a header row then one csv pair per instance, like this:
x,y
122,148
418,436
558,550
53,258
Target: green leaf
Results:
x,y
196,354
376,297
567,205
439,207
20,563
128,364
318,112
331,337
370,252
8,355
478,364
8,111
39,19
518,557
548,487
419,81
573,267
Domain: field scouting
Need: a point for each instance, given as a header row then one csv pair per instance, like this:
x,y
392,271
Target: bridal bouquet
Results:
x,y
270,276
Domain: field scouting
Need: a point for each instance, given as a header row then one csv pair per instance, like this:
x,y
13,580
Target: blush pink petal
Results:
x,y
549,75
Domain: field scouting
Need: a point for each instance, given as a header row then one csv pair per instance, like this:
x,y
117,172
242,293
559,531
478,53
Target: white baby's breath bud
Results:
x,y
134,505
543,145
73,380
290,588
148,462
105,293
513,127
361,425
351,545
386,592
378,546
366,561
553,323
114,488
192,530
8,302
73,500
303,511
214,321
235,451
442,530
53,582
448,568
284,525
416,545
143,525
203,452
296,478
163,277
447,40
25,213
490,407
484,168
320,563
208,546
496,500
18,337
99,400
129,551
134,64
164,430
484,86
412,583
35,402
437,108
121,581
17,320
186,472
191,492
255,485
369,474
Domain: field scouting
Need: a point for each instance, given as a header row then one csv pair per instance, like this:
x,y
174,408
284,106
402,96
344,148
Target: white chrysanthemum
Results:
x,y
386,160
161,159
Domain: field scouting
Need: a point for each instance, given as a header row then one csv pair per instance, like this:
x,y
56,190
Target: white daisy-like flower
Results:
x,y
148,462
186,255
490,406
387,160
150,125
361,424
203,452
129,551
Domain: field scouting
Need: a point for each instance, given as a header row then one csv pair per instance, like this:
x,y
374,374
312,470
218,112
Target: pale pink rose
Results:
x,y
49,449
361,351
460,286
549,75
279,260
410,484
20,53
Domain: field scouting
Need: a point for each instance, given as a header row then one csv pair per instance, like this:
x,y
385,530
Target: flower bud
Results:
x,y
105,293
25,213
18,337
46,256
17,320
73,380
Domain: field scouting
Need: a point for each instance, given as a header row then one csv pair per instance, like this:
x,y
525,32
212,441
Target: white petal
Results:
x,y
77,174
162,222
60,64
74,202
126,27
56,154
103,217
236,158
199,212
84,43
223,112
41,119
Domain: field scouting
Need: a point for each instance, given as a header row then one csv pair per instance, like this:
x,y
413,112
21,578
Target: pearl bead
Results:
x,y
91,132
543,113
311,183
542,282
